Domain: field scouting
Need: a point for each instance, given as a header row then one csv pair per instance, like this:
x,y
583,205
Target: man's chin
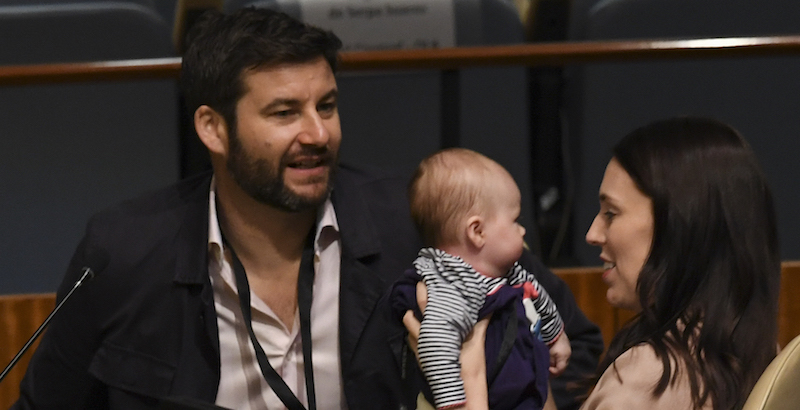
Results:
x,y
312,197
308,191
307,195
309,187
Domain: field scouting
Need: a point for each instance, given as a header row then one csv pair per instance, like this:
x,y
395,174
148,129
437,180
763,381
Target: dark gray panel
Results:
x,y
72,149
758,96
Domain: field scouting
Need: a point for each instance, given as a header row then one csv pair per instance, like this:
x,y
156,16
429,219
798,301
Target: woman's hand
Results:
x,y
411,323
473,367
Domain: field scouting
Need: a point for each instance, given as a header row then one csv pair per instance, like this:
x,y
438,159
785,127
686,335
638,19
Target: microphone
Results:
x,y
97,260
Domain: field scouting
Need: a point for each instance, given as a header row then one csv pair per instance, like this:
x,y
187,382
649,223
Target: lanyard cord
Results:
x,y
305,286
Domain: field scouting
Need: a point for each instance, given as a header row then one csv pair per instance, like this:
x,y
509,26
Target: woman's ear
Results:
x,y
211,129
475,235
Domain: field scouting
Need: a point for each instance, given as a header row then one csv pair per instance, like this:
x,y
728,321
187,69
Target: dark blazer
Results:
x,y
145,328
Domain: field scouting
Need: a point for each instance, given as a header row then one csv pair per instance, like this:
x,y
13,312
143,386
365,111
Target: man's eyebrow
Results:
x,y
330,94
292,102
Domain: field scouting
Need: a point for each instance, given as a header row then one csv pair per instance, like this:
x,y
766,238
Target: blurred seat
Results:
x,y
759,96
393,119
80,31
146,3
776,389
478,22
164,8
71,149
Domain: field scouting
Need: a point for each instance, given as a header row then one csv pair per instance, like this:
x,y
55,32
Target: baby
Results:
x,y
466,207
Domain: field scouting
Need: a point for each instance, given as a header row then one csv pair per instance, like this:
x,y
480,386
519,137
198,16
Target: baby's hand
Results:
x,y
560,352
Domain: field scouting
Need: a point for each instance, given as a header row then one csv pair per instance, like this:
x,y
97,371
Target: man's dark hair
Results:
x,y
221,48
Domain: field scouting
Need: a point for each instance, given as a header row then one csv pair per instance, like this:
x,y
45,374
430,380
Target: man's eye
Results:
x,y
327,107
283,113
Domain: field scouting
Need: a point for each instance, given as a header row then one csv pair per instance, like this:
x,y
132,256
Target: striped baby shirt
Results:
x,y
456,292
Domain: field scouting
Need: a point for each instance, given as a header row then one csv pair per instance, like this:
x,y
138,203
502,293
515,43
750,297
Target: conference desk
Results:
x,y
21,315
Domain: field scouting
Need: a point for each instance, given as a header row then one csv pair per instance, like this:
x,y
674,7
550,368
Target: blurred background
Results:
x,y
71,149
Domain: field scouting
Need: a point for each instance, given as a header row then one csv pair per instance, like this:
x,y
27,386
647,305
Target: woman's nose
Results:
x,y
595,236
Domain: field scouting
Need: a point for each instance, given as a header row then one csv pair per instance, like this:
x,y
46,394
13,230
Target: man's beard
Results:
x,y
264,183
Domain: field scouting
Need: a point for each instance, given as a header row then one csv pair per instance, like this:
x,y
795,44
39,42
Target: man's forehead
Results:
x,y
318,63
284,80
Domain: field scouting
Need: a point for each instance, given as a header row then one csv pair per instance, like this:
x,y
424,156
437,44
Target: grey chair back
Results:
x,y
71,149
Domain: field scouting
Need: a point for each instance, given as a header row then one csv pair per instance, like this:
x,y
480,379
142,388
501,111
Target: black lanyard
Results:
x,y
305,287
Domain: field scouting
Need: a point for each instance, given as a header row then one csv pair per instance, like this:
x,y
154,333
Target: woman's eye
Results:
x,y
609,215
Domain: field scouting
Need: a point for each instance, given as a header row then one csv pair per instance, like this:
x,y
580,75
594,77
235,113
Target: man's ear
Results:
x,y
212,130
475,235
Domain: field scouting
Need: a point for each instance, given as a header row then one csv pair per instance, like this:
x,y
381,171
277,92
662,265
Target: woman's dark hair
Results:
x,y
221,48
709,289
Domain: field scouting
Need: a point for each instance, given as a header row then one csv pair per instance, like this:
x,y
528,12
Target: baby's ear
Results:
x,y
475,235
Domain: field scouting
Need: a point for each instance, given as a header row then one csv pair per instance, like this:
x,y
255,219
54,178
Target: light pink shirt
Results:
x,y
242,386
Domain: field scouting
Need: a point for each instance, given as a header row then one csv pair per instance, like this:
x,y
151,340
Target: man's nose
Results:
x,y
314,131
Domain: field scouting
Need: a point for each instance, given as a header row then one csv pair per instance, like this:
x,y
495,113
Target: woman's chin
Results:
x,y
621,303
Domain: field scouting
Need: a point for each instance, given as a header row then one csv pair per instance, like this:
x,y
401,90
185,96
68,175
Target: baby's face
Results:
x,y
504,234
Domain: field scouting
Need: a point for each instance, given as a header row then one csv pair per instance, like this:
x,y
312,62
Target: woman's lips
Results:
x,y
607,266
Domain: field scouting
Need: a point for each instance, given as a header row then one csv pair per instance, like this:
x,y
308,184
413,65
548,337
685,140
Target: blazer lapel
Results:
x,y
361,285
191,252
360,291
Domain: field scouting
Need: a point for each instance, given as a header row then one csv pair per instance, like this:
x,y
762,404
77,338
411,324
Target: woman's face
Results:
x,y
623,229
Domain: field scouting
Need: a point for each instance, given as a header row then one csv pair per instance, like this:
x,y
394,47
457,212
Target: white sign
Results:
x,y
384,24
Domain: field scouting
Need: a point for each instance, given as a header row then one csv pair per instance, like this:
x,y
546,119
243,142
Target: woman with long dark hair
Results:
x,y
688,236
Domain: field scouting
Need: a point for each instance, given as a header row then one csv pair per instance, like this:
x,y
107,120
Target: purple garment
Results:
x,y
521,382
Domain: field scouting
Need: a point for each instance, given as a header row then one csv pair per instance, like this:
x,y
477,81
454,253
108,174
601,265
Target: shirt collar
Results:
x,y
214,232
327,226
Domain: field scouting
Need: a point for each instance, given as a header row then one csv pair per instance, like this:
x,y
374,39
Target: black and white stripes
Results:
x,y
552,324
456,292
